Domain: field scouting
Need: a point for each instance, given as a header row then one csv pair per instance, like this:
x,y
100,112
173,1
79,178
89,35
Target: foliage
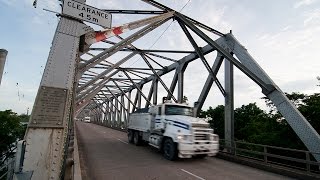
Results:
x,y
217,122
10,130
24,118
254,125
308,105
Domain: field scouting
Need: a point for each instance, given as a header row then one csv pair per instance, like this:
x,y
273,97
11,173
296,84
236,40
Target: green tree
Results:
x,y
308,105
10,130
311,110
24,118
217,122
246,121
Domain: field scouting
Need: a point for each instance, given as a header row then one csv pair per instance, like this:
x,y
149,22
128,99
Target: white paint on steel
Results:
x,y
86,13
3,56
44,149
198,177
76,157
78,30
59,71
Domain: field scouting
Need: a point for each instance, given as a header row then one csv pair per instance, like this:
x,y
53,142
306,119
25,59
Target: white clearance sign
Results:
x,y
86,13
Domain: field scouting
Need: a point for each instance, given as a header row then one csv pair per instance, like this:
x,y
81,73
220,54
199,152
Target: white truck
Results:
x,y
87,119
172,129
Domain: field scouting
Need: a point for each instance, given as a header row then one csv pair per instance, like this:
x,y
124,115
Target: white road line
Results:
x,y
123,141
192,174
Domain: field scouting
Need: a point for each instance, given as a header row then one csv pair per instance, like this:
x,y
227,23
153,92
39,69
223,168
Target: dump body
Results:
x,y
172,126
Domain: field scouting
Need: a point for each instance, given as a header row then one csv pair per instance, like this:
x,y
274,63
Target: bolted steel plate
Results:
x,y
49,107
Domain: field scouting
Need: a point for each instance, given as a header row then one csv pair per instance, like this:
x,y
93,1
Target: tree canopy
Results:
x,y
11,130
255,125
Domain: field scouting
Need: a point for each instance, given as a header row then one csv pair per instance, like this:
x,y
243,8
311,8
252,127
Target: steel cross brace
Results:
x,y
158,77
201,56
100,57
137,87
268,88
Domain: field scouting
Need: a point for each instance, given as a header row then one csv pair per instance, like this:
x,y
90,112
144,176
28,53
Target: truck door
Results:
x,y
159,120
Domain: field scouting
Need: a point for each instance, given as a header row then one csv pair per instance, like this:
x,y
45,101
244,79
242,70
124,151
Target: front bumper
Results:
x,y
187,150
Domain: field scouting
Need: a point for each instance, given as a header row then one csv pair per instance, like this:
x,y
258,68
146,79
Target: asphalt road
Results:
x,y
106,154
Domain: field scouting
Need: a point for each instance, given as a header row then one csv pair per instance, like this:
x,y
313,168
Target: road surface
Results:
x,y
106,154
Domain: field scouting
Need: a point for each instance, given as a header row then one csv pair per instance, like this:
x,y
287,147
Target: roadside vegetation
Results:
x,y
11,130
254,125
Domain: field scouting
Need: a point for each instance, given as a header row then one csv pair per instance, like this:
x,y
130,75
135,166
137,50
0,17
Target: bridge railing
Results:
x,y
272,155
7,162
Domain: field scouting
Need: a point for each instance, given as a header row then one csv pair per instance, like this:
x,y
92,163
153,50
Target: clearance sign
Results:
x,y
86,13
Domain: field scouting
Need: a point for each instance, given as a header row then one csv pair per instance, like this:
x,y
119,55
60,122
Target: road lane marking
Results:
x,y
123,141
192,174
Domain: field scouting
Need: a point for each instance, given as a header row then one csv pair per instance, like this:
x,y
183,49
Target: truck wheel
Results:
x,y
130,136
136,138
169,150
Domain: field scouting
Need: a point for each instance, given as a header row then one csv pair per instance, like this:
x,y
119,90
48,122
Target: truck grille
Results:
x,y
196,125
202,134
200,137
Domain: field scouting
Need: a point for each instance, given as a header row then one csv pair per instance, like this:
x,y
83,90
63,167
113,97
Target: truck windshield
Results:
x,y
178,110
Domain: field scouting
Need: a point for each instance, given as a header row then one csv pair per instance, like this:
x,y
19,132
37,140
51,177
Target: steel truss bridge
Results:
x,y
111,78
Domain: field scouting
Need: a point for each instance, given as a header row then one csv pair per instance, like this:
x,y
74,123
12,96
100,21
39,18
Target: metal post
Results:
x,y
180,85
118,112
229,105
265,154
308,161
139,98
3,57
110,113
155,92
122,112
128,112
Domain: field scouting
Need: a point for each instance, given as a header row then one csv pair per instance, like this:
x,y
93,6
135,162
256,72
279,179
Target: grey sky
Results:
x,y
283,37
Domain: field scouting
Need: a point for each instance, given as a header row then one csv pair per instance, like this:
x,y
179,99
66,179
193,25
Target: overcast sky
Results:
x,y
283,36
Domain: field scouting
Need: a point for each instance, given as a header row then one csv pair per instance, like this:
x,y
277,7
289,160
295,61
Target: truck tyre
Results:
x,y
170,149
136,138
130,136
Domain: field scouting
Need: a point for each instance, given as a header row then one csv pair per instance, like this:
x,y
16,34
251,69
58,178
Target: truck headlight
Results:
x,y
181,137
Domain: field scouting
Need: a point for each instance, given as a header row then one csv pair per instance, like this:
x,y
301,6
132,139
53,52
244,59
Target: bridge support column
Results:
x,y
182,68
128,112
47,133
155,92
229,107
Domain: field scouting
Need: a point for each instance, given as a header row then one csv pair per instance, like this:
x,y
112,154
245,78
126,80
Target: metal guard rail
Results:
x,y
7,162
272,155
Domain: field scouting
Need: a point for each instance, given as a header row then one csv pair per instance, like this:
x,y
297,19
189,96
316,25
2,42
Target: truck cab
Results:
x,y
171,128
87,119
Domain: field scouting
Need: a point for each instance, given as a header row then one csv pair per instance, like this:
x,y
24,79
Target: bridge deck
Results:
x,y
106,154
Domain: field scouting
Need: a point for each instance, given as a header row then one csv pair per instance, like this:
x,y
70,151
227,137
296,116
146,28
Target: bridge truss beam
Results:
x,y
105,83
